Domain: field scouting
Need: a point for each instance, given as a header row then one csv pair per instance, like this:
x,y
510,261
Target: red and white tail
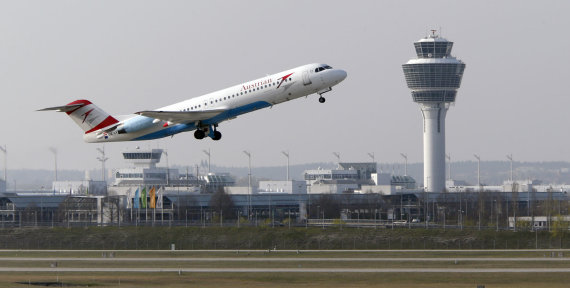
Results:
x,y
88,116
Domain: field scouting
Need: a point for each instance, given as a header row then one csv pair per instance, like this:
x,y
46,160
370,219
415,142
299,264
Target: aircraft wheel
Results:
x,y
217,135
322,99
199,134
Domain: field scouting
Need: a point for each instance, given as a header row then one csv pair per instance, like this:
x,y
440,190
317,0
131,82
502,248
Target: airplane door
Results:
x,y
306,78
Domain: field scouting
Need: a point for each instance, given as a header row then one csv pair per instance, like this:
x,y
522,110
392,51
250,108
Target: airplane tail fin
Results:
x,y
87,116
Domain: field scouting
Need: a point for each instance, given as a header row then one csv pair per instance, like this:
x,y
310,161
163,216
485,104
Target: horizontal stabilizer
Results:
x,y
181,116
85,114
65,108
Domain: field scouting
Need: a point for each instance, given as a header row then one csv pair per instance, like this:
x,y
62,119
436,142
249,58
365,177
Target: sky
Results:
x,y
128,56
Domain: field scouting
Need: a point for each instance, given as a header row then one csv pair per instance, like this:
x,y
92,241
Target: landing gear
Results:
x,y
199,134
217,135
322,99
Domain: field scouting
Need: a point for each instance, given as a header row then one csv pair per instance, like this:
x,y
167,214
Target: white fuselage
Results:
x,y
233,101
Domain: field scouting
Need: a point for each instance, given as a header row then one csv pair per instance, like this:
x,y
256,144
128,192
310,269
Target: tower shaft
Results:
x,y
434,146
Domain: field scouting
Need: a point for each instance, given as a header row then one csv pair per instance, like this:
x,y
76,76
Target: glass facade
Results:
x,y
434,96
433,49
433,75
155,156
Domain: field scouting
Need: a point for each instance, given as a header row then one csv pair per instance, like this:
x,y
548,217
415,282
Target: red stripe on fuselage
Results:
x,y
108,121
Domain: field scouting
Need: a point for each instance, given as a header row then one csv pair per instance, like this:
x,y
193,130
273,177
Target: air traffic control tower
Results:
x,y
434,77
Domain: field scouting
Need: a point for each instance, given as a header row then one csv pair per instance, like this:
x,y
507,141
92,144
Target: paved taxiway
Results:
x,y
290,259
293,270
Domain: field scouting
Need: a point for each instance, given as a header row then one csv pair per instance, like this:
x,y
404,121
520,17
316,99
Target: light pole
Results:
x,y
168,170
249,184
371,155
337,155
54,151
209,155
496,213
5,151
510,157
478,170
286,154
102,159
405,163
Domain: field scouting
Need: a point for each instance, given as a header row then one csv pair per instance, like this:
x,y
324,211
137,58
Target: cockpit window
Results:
x,y
324,67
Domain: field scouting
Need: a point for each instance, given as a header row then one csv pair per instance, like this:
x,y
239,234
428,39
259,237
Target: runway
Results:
x,y
290,259
289,270
268,261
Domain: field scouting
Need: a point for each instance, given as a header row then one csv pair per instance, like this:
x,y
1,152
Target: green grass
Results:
x,y
192,238
396,280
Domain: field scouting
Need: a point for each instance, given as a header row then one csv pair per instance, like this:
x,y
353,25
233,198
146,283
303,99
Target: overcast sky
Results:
x,y
128,56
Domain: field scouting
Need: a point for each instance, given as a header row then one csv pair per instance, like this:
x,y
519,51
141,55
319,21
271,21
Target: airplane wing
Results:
x,y
181,116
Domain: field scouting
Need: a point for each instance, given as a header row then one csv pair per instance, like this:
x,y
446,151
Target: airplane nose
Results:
x,y
341,75
338,75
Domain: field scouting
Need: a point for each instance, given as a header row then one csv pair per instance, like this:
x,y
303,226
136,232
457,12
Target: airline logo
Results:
x,y
86,114
283,79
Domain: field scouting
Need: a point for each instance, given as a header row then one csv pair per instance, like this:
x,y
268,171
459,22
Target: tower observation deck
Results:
x,y
434,77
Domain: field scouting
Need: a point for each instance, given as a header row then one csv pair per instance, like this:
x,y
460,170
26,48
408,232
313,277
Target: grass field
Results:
x,y
285,259
234,280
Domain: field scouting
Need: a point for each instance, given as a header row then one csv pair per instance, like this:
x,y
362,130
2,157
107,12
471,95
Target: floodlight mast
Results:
x,y
478,170
102,159
337,155
405,156
207,152
249,184
286,155
433,78
54,151
371,155
510,157
5,151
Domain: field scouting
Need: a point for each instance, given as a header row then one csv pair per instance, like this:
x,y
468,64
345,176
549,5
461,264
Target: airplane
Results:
x,y
203,114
